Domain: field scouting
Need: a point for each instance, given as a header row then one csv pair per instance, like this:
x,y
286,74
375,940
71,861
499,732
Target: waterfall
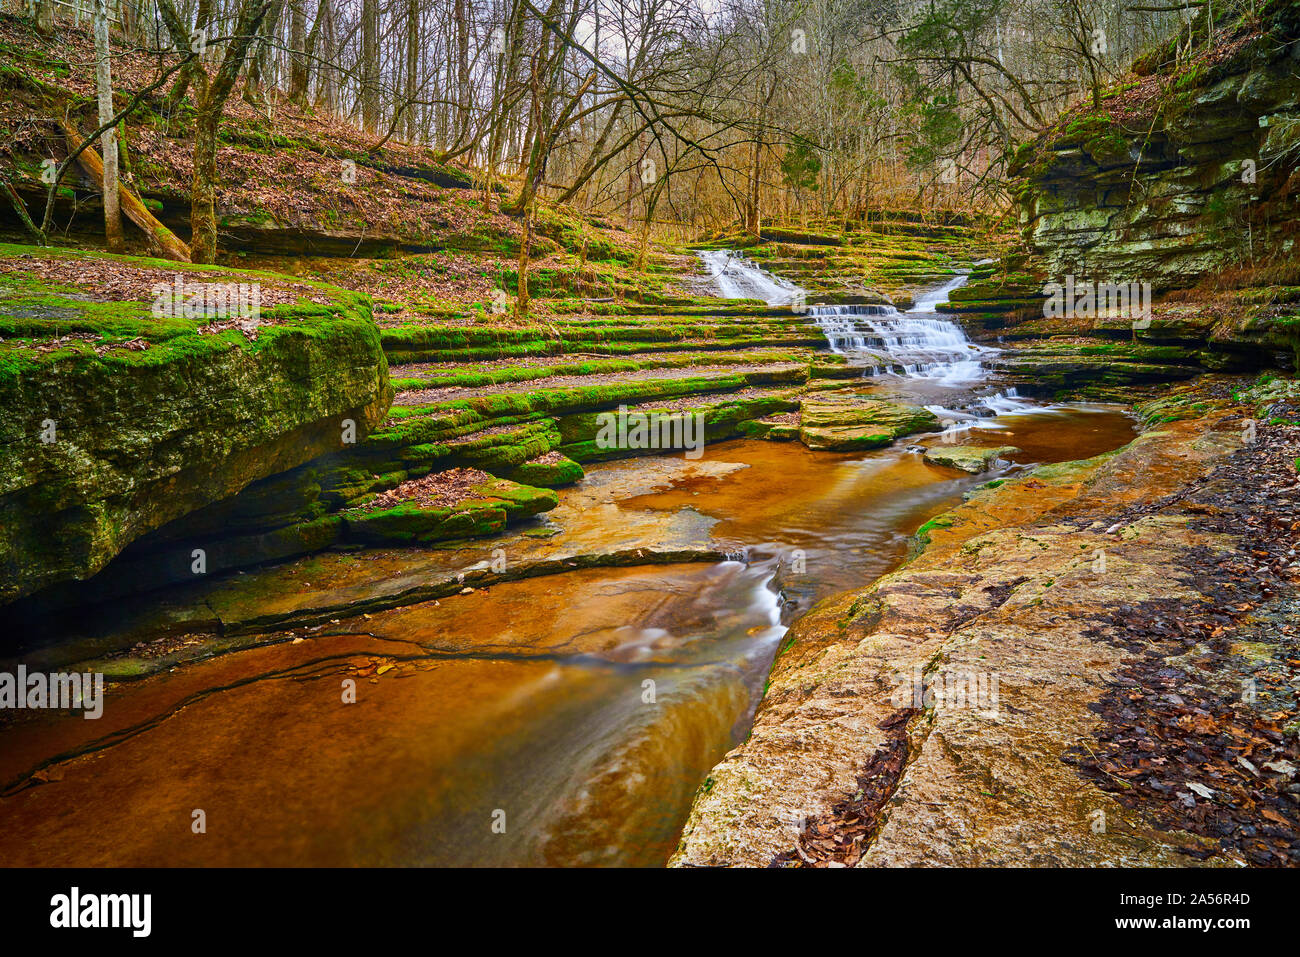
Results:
x,y
920,343
736,278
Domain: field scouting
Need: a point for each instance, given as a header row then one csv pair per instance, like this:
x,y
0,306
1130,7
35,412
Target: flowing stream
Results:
x,y
564,719
918,343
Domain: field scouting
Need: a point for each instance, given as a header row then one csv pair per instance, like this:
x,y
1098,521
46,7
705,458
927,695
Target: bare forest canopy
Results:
x,y
698,112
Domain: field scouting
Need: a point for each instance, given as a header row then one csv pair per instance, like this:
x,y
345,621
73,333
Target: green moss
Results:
x,y
939,521
145,435
548,474
491,507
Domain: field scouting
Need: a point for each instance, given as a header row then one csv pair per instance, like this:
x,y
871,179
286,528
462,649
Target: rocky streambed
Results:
x,y
954,713
571,683
678,659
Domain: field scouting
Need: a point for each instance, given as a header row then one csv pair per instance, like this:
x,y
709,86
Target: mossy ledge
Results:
x,y
119,422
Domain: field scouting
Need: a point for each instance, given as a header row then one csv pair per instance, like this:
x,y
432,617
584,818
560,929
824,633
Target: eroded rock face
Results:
x,y
140,420
1199,185
924,721
1055,366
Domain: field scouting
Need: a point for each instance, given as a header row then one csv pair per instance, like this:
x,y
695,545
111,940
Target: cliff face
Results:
x,y
1184,179
1187,169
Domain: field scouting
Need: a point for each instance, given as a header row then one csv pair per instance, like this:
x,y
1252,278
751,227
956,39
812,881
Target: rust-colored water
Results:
x,y
558,720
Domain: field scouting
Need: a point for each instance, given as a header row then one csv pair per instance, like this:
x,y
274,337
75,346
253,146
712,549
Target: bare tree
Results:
x,y
211,93
104,88
370,65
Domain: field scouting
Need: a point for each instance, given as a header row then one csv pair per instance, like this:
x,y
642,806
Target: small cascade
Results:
x,y
735,277
1008,400
920,342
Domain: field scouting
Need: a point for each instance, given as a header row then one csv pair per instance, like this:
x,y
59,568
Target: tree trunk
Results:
x,y
753,216
412,67
255,80
370,65
651,202
21,209
508,61
536,165
160,237
521,300
208,109
203,186
193,75
462,66
322,35
298,44
104,88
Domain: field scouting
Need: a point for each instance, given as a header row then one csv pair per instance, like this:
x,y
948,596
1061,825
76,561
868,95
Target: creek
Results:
x,y
566,719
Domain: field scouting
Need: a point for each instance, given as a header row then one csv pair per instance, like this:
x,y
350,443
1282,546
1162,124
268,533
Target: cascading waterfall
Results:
x,y
737,278
918,344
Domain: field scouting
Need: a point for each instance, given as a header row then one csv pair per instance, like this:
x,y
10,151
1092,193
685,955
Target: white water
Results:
x,y
919,345
737,278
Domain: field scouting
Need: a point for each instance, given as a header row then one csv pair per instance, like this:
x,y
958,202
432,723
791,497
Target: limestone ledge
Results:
x,y
1006,585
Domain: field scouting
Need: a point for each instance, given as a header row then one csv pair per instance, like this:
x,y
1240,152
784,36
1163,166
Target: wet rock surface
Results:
x,y
849,421
968,458
999,650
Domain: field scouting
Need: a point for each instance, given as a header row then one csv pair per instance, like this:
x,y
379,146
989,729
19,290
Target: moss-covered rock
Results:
x,y
550,471
1164,187
851,422
772,431
118,422
1054,366
490,508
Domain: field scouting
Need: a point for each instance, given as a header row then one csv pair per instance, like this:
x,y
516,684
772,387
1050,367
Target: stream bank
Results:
x,y
526,696
878,743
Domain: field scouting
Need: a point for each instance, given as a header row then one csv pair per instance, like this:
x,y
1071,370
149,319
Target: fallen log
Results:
x,y
20,207
159,235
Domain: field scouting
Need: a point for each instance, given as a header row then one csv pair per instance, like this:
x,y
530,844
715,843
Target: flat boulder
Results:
x,y
968,458
848,422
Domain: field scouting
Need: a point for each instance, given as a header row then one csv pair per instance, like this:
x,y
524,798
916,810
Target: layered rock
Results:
x,y
1183,171
121,421
489,507
850,422
933,718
